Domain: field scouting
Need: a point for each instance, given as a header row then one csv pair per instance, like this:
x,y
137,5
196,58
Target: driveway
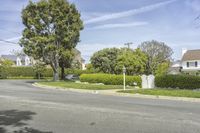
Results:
x,y
28,109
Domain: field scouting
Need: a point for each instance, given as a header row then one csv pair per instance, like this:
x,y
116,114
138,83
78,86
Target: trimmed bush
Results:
x,y
110,79
178,81
78,72
3,74
20,72
29,72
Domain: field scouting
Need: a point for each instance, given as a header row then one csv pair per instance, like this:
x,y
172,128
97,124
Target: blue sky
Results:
x,y
111,23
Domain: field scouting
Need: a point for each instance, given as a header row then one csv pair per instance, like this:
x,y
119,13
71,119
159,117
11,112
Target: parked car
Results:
x,y
71,77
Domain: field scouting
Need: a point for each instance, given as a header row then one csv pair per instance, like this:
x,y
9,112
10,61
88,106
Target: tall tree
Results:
x,y
105,60
51,27
157,53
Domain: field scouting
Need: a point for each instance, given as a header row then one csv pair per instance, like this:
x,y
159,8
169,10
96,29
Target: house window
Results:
x,y
188,64
192,64
196,64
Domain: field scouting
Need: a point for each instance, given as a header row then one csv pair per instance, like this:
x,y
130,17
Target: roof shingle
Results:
x,y
191,55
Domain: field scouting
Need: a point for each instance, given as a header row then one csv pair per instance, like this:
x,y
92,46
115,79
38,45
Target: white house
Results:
x,y
22,60
190,62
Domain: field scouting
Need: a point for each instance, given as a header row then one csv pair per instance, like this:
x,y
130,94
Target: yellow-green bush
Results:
x,y
110,79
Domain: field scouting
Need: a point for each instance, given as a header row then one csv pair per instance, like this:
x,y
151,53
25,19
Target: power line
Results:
x,y
13,32
1,40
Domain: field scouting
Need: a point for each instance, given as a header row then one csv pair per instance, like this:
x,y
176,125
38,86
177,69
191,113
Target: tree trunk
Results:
x,y
56,68
62,72
55,76
38,75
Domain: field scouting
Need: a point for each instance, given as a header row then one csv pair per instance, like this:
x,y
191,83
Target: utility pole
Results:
x,y
128,44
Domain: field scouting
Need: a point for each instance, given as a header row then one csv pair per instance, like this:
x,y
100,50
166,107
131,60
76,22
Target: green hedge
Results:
x,y
78,72
3,73
178,81
29,72
110,79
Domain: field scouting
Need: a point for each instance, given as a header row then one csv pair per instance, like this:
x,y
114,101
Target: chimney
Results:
x,y
184,50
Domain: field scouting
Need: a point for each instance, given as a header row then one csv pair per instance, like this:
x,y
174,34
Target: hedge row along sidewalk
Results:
x,y
111,79
28,72
165,92
178,81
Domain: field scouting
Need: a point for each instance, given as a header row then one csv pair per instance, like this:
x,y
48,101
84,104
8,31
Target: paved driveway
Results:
x,y
28,109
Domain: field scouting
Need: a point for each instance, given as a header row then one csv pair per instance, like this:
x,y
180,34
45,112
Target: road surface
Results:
x,y
28,109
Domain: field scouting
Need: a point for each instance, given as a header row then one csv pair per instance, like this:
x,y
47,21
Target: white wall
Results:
x,y
18,62
184,65
27,61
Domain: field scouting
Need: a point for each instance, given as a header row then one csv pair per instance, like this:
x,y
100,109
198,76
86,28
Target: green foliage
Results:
x,y
39,68
3,73
178,81
32,72
133,60
162,69
78,71
105,60
110,79
51,28
76,64
157,52
112,60
5,64
20,72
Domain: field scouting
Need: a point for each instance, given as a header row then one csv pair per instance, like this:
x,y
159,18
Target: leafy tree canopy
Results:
x,y
105,60
133,60
51,28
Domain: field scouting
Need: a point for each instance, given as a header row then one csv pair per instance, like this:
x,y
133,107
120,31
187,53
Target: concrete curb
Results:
x,y
115,93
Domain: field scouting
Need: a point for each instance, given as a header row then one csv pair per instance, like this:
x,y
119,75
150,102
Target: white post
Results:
x,y
124,81
124,75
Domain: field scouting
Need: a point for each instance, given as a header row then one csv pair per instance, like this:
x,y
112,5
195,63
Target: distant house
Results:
x,y
22,60
78,59
175,68
190,62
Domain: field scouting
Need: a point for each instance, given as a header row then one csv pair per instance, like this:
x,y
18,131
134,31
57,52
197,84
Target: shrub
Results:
x,y
20,72
30,72
110,79
3,74
78,71
178,81
26,72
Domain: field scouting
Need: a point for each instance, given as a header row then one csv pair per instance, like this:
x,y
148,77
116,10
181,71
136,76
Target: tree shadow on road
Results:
x,y
2,130
18,119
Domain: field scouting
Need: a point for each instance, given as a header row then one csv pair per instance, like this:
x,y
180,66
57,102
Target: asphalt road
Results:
x,y
28,109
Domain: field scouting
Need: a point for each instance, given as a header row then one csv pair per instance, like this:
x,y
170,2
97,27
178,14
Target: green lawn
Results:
x,y
166,92
74,85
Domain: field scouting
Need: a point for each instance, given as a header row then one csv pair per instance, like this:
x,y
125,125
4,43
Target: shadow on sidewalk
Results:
x,y
17,119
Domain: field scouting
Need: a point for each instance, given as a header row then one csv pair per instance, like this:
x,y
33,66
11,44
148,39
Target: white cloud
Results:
x,y
128,13
121,25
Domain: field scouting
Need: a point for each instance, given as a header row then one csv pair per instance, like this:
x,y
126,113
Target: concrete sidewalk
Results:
x,y
116,93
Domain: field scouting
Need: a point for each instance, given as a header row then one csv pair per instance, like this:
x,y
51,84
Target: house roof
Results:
x,y
191,55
